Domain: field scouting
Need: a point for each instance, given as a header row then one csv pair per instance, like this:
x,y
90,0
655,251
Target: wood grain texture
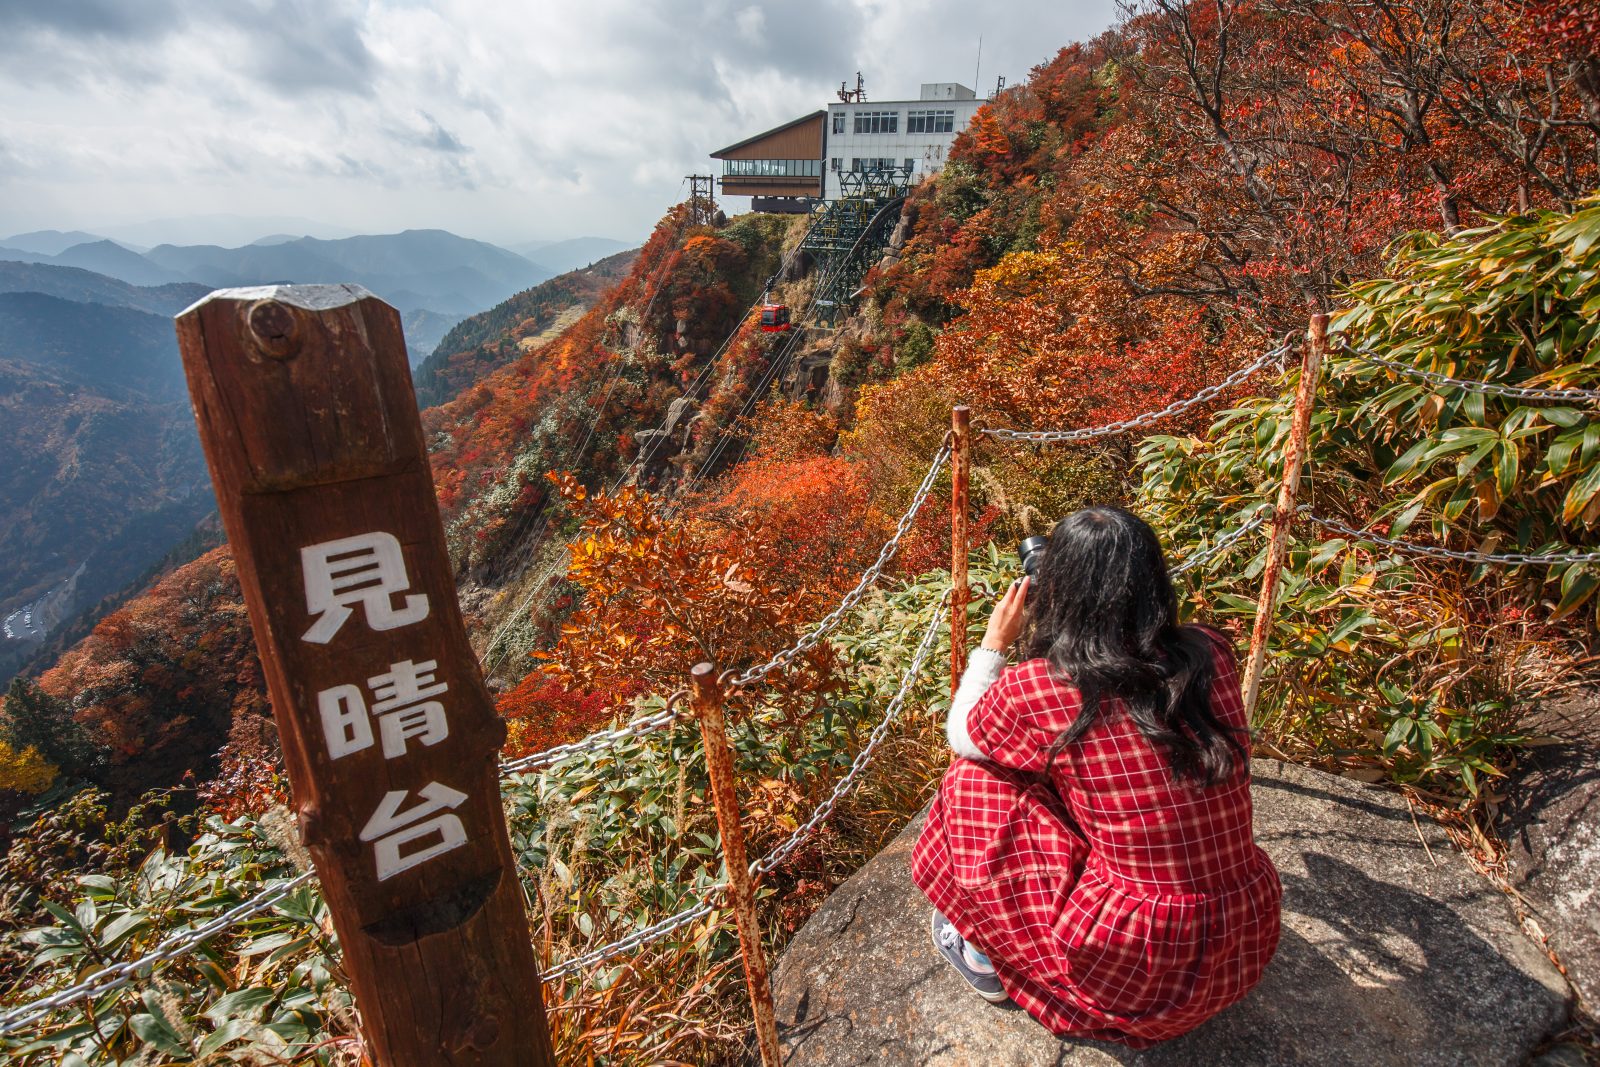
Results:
x,y
960,547
306,412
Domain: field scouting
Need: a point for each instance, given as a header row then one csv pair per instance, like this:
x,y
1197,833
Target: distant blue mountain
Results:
x,y
562,256
418,270
99,438
110,258
49,242
87,287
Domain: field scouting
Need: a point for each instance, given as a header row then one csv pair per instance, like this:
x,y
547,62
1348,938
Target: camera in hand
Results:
x,y
1031,553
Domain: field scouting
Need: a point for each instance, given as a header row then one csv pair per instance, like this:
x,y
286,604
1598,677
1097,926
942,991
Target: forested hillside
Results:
x,y
489,340
652,485
101,441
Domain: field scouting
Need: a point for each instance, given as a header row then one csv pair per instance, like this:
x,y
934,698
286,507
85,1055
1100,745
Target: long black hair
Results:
x,y
1103,612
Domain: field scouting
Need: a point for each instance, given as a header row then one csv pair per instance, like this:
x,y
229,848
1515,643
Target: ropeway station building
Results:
x,y
788,168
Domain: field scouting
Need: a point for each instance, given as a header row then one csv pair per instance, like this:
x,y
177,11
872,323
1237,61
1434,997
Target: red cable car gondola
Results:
x,y
775,318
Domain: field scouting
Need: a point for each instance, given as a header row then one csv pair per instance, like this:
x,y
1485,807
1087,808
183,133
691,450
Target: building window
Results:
x,y
939,120
838,121
772,168
837,163
911,165
877,122
871,163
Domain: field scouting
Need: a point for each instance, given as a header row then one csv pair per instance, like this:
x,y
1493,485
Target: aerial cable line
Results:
x,y
642,459
530,551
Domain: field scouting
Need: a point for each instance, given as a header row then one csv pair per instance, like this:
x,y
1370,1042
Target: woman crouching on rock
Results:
x,y
1090,852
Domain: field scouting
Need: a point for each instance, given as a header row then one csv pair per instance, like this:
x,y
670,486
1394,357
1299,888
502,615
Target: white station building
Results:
x,y
787,168
915,134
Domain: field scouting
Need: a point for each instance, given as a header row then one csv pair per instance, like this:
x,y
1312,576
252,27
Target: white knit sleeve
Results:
x,y
983,668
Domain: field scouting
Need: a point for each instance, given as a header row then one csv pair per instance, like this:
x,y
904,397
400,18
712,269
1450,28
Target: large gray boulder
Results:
x,y
1551,824
1394,951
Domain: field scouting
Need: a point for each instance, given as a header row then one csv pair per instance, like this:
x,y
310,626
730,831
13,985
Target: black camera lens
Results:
x,y
1031,554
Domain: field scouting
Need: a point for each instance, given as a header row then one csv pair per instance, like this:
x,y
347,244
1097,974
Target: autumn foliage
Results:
x,y
1143,214
160,683
662,593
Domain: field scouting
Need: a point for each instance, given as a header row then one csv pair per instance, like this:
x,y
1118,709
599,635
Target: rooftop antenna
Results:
x,y
977,69
999,85
856,95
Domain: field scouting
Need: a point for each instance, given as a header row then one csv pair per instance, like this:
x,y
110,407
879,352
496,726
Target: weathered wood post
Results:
x,y
304,401
960,508
708,699
1283,515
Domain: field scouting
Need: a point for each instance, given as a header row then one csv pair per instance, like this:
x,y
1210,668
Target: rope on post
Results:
x,y
708,698
1283,515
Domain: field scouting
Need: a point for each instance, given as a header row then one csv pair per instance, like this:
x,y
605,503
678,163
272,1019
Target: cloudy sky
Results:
x,y
498,120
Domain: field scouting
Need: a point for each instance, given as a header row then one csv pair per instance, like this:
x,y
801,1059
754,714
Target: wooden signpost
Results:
x,y
304,401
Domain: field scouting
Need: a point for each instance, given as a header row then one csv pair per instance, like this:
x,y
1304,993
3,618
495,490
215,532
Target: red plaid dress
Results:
x,y
1114,903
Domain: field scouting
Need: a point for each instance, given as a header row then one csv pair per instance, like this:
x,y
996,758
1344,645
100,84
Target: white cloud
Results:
x,y
498,120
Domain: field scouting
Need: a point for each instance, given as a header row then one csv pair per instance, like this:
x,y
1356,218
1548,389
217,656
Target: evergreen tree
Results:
x,y
33,718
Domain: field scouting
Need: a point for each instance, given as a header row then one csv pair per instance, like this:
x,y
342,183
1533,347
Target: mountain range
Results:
x,y
435,278
104,473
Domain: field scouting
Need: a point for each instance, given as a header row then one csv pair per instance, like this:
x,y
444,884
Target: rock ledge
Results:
x,y
1394,951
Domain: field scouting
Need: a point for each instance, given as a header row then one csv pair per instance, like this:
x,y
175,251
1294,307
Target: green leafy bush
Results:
x,y
1382,658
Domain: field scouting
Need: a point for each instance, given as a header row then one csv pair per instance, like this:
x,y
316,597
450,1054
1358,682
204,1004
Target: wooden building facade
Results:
x,y
782,168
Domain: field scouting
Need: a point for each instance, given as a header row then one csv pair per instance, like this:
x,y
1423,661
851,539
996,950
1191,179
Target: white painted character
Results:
x,y
368,570
401,710
346,726
390,828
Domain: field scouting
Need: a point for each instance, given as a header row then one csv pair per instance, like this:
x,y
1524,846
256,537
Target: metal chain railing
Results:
x,y
668,715
170,948
868,578
601,739
638,939
1515,559
1222,544
864,757
1514,392
765,865
1149,417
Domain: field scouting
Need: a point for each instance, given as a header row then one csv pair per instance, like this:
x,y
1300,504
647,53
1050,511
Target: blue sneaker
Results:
x,y
970,964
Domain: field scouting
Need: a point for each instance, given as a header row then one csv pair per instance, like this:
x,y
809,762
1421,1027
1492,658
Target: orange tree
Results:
x,y
1055,338
660,594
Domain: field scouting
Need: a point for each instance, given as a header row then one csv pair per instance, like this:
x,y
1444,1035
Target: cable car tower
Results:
x,y
702,201
847,235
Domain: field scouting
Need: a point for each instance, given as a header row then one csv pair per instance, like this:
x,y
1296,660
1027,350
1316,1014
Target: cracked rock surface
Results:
x,y
1551,826
1394,951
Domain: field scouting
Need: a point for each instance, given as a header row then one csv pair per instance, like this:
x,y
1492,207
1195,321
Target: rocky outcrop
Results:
x,y
1551,826
1394,951
660,445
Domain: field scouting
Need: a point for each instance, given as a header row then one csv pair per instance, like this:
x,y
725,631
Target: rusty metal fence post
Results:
x,y
1283,515
960,508
708,700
